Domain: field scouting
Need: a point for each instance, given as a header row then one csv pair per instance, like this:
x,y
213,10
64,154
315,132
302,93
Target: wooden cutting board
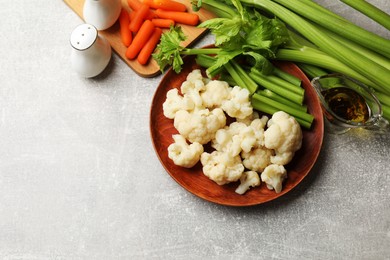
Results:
x,y
112,34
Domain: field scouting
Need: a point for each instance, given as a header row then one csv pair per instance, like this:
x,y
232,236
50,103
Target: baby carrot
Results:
x,y
163,23
139,18
140,39
179,17
149,47
135,5
125,33
151,15
168,5
131,15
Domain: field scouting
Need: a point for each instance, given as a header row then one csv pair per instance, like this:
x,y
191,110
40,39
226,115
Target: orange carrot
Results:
x,y
131,15
151,15
149,47
179,17
125,33
135,5
139,18
163,23
168,5
140,39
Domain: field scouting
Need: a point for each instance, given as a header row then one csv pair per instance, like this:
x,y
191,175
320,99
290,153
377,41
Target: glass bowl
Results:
x,y
348,103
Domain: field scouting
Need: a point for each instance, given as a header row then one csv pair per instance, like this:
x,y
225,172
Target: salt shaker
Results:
x,y
91,52
101,13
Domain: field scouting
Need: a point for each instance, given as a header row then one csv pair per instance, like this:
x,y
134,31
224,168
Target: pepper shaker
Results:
x,y
101,13
91,52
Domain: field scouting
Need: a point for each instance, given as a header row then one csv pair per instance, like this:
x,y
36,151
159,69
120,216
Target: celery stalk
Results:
x,y
374,56
215,6
265,104
308,56
311,71
322,9
384,99
236,77
229,79
340,26
287,77
386,112
362,65
285,84
251,85
272,95
264,82
370,11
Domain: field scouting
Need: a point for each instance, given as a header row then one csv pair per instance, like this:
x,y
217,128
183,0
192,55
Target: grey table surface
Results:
x,y
79,178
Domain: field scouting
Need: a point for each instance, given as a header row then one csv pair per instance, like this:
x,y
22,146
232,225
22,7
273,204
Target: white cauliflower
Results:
x,y
236,128
238,105
248,179
257,159
229,139
191,90
175,102
225,141
196,75
239,137
253,135
274,175
199,125
215,93
284,136
221,167
184,154
199,117
248,120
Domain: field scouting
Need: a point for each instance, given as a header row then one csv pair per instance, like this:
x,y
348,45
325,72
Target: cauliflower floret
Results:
x,y
239,137
238,105
228,139
236,128
221,167
253,135
225,141
215,93
274,175
257,127
199,125
248,179
196,75
257,159
248,120
175,102
284,136
184,154
191,88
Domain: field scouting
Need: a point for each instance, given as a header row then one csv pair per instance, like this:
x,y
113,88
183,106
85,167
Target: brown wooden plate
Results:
x,y
194,181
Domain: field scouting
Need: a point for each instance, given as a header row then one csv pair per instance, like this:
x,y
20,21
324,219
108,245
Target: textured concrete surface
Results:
x,y
79,178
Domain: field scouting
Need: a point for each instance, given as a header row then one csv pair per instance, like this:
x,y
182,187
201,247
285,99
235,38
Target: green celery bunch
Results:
x,y
245,43
336,44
